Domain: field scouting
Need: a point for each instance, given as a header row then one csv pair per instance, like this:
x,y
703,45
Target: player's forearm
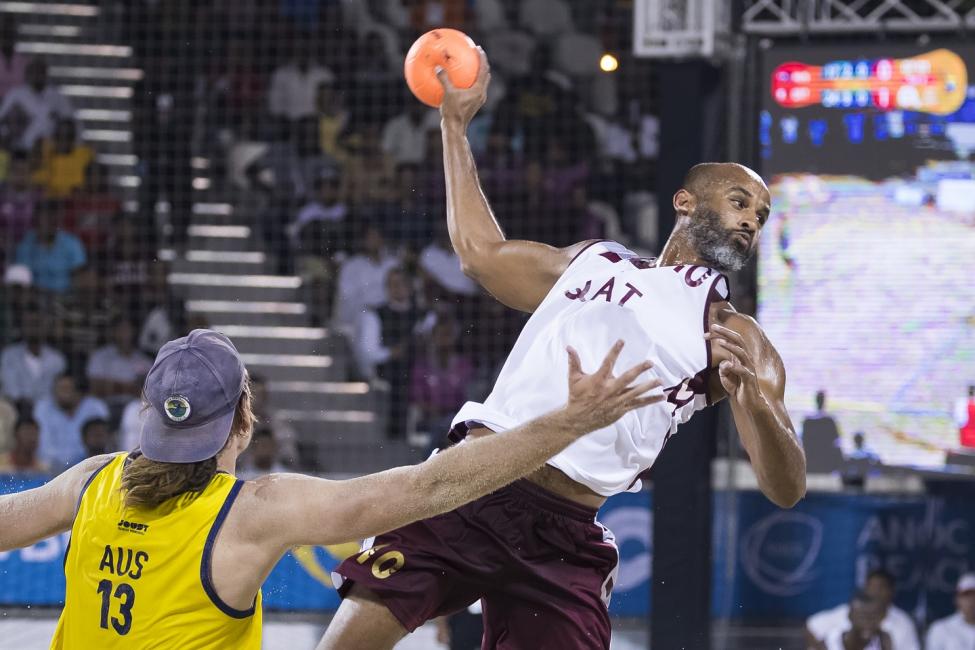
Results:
x,y
307,510
22,522
10,522
470,222
475,468
774,449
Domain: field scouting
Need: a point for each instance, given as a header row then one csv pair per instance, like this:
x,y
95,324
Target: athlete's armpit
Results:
x,y
520,273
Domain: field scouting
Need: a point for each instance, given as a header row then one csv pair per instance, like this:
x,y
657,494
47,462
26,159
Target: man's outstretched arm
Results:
x,y
518,273
752,373
32,515
296,509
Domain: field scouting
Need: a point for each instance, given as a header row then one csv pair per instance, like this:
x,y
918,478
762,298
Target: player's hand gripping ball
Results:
x,y
449,49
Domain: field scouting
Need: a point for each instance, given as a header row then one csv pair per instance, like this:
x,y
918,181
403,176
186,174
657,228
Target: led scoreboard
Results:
x,y
934,82
865,271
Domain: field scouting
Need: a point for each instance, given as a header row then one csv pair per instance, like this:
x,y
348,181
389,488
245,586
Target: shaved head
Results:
x,y
704,177
721,208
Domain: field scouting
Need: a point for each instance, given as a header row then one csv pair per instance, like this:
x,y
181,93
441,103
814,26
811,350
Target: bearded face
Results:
x,y
717,245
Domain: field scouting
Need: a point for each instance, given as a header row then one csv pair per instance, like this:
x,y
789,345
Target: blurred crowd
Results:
x,y
299,110
84,300
344,171
871,620
302,115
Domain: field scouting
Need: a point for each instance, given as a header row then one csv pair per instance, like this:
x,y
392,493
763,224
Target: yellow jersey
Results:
x,y
139,578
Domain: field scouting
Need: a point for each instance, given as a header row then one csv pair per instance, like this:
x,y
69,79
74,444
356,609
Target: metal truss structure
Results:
x,y
704,28
788,17
682,28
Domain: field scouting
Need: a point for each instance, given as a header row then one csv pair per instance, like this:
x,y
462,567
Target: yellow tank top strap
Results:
x,y
115,464
206,575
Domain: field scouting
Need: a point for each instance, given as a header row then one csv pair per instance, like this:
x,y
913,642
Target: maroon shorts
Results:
x,y
542,566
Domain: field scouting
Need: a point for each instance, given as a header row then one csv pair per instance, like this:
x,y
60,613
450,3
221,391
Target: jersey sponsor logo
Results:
x,y
177,408
132,527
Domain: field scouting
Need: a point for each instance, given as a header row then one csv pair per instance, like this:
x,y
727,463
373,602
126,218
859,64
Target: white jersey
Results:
x,y
951,633
897,623
608,293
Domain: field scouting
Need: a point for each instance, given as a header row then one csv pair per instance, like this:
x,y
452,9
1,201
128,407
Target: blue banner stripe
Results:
x,y
785,564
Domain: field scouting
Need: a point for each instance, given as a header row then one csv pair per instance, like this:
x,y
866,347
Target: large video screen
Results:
x,y
867,265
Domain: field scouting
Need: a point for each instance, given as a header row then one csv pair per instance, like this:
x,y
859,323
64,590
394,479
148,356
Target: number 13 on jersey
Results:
x,y
118,596
125,595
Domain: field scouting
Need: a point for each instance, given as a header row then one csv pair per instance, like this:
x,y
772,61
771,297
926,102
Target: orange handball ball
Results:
x,y
448,48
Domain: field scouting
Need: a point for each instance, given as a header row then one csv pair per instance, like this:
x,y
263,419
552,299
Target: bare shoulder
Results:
x,y
549,259
64,490
746,326
95,462
572,251
272,488
724,313
78,476
270,506
767,363
259,494
517,272
251,521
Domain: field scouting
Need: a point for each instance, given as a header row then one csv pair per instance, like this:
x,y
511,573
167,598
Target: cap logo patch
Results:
x,y
177,408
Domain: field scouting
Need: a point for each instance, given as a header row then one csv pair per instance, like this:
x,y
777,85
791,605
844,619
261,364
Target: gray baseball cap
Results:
x,y
193,389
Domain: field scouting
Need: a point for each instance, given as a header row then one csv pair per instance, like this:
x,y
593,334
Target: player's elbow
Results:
x,y
477,256
788,493
470,269
787,501
475,260
785,487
